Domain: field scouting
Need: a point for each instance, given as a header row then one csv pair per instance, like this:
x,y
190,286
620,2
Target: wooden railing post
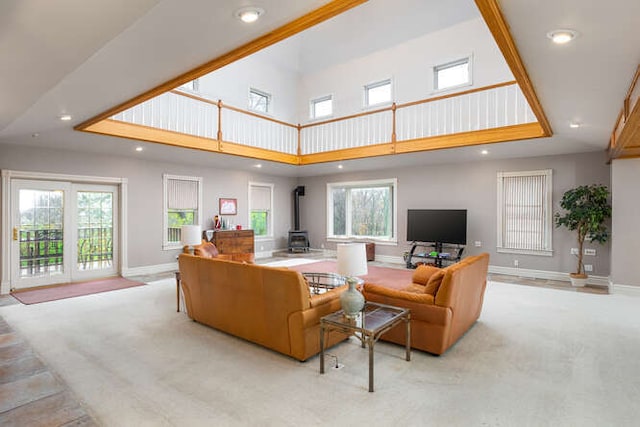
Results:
x,y
219,136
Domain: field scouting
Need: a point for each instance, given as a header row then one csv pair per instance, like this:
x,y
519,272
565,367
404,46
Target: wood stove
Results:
x,y
298,239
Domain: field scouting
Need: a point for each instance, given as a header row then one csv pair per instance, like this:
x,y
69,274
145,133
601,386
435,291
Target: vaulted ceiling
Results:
x,y
82,58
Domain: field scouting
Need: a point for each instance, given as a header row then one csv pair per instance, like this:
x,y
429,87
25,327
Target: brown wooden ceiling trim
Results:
x,y
257,153
463,139
312,18
348,154
494,19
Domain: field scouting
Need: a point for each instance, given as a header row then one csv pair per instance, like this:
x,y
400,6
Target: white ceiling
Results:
x,y
78,57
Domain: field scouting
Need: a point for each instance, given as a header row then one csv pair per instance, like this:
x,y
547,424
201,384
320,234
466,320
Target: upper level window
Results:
x,y
193,85
182,202
452,74
377,93
322,107
259,101
524,212
364,209
261,208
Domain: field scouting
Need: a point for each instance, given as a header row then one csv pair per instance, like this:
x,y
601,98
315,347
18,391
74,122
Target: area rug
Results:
x,y
71,290
390,277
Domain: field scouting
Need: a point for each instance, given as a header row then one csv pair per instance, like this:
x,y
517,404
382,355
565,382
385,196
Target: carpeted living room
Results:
x,y
536,356
319,213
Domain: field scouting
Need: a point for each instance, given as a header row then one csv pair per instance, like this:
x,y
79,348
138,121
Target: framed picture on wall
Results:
x,y
228,206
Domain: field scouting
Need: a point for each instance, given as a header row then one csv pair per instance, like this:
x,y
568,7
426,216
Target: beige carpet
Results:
x,y
537,357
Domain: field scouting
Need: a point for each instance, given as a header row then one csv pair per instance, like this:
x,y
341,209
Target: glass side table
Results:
x,y
373,321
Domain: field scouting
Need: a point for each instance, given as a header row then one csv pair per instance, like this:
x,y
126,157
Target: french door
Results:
x,y
62,232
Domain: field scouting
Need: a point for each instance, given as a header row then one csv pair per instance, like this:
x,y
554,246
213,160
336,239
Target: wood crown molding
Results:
x,y
499,28
323,13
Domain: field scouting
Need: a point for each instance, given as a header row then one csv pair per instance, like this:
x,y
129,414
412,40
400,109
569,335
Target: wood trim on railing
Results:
x,y
626,129
456,94
294,27
494,19
352,116
260,116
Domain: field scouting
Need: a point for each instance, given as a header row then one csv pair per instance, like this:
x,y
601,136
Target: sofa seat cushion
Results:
x,y
414,288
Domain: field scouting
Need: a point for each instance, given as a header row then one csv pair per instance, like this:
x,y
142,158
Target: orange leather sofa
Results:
x,y
265,305
444,303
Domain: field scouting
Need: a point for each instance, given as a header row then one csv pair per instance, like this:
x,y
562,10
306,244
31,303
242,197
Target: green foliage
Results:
x,y
586,209
259,222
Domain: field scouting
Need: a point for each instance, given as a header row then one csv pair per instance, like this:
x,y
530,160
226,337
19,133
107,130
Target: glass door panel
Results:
x,y
40,235
95,230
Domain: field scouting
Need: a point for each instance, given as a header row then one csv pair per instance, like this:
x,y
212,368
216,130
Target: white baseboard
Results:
x,y
547,275
263,254
150,269
629,290
390,259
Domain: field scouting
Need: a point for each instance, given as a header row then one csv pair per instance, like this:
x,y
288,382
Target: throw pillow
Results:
x,y
434,283
206,250
423,273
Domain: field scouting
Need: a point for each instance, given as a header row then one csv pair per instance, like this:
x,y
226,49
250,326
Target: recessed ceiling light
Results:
x,y
257,166
484,152
249,14
562,36
35,135
574,125
340,166
138,149
65,117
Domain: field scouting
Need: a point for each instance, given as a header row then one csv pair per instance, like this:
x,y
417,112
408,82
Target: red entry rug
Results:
x,y
71,290
390,277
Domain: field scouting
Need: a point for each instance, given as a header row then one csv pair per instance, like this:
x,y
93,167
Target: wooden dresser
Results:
x,y
238,244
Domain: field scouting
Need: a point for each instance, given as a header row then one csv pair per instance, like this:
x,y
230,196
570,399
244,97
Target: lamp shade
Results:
x,y
352,259
190,235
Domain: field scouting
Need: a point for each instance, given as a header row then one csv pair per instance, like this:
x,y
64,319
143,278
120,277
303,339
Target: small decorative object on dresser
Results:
x,y
228,206
352,262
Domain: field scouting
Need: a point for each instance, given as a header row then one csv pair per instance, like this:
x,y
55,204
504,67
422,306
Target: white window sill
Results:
x,y
362,240
524,252
171,247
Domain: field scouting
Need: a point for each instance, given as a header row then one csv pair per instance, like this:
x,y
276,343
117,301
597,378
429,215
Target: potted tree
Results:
x,y
586,208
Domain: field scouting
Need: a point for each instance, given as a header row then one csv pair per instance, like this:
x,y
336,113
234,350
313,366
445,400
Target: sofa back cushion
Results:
x,y
206,250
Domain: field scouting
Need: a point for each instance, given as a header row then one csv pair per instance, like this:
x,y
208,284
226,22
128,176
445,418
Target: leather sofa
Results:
x,y
269,306
444,303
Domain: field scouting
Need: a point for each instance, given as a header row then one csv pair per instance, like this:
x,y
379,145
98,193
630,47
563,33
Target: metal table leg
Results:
x,y
408,340
370,341
321,348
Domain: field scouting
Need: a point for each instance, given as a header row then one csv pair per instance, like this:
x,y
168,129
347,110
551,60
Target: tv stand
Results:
x,y
453,254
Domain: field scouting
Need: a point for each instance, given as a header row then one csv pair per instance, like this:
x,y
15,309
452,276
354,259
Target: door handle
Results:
x,y
15,233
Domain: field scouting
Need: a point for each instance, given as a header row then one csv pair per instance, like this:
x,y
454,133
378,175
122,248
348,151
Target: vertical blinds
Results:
x,y
526,219
260,198
182,194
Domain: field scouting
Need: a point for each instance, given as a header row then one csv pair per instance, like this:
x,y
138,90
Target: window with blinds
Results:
x,y
182,202
525,212
261,209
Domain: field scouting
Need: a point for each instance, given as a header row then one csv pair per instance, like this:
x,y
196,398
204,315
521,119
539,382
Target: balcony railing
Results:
x,y
501,105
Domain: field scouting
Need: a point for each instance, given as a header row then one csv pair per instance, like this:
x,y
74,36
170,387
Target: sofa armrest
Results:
x,y
398,294
320,299
421,305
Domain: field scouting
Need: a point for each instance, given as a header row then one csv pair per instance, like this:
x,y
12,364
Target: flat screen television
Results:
x,y
437,226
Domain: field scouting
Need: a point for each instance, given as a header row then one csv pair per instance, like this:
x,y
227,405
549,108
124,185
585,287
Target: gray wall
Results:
x,y
625,241
145,193
470,186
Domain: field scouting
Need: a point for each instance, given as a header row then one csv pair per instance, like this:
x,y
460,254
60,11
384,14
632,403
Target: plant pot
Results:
x,y
578,280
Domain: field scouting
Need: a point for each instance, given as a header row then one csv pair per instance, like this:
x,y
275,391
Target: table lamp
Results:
x,y
190,236
352,262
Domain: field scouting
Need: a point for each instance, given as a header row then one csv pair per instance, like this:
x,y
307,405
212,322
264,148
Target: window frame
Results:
x,y
548,213
392,182
443,66
262,93
166,244
312,107
376,84
270,214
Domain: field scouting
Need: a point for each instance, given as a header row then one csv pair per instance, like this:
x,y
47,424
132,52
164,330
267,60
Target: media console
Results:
x,y
441,253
